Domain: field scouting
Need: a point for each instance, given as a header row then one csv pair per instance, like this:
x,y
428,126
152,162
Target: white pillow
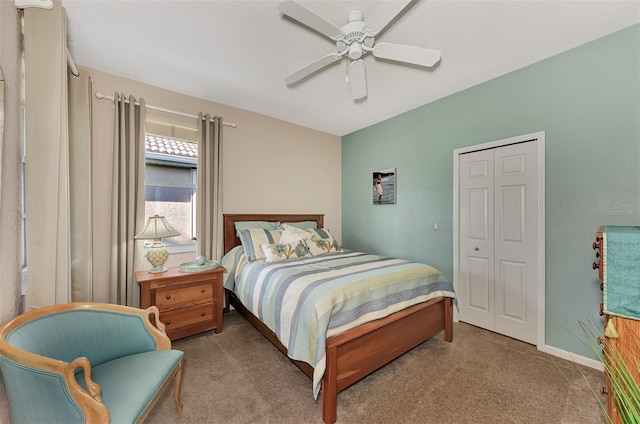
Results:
x,y
291,234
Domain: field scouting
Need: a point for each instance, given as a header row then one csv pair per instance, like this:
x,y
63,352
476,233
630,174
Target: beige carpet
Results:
x,y
239,377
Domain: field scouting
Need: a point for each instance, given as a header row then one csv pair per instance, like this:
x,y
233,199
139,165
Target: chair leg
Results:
x,y
176,388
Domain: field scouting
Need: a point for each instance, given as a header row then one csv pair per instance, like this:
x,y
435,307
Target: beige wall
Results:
x,y
270,166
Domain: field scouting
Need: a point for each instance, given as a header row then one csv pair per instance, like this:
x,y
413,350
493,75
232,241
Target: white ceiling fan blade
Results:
x,y
408,54
384,13
358,79
314,66
295,10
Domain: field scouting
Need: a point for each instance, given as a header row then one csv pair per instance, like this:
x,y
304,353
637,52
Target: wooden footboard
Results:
x,y
360,351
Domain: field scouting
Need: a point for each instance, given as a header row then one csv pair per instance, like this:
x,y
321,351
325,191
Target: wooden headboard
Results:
x,y
231,240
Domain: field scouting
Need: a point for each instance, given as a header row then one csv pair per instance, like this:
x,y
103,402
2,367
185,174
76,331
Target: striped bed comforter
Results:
x,y
305,301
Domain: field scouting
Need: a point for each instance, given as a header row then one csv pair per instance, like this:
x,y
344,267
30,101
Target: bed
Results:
x,y
352,354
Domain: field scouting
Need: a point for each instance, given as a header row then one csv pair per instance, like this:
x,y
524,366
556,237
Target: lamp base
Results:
x,y
157,269
157,254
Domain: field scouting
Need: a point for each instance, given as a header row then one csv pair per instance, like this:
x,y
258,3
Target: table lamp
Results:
x,y
157,228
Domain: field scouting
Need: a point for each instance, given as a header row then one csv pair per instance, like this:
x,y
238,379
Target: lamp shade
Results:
x,y
157,227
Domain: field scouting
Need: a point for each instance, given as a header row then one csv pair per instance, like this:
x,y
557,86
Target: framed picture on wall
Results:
x,y
384,186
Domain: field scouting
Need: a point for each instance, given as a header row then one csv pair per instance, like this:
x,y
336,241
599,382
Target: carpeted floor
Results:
x,y
239,377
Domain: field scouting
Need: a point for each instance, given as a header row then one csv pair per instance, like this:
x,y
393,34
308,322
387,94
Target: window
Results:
x,y
170,187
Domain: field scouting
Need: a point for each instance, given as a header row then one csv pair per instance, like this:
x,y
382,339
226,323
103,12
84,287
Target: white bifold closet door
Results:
x,y
498,240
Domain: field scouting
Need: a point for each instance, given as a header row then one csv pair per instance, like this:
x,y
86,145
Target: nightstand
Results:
x,y
189,302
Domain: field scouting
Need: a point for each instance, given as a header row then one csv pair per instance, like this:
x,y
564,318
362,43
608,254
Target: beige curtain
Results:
x,y
47,158
58,165
80,162
127,198
209,187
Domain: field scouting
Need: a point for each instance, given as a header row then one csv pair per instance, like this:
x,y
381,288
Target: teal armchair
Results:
x,y
87,362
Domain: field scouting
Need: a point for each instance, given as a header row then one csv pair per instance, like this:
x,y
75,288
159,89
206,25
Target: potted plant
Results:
x,y
623,369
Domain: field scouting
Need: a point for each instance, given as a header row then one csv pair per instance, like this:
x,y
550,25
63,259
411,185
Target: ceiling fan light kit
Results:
x,y
354,40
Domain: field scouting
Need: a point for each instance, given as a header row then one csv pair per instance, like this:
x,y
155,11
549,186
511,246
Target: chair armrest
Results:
x,y
69,374
90,400
156,328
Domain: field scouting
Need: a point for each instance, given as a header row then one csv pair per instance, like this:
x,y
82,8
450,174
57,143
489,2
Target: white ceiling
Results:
x,y
238,52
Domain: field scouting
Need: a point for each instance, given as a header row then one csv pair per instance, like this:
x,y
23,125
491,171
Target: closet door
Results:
x,y
498,240
516,238
476,274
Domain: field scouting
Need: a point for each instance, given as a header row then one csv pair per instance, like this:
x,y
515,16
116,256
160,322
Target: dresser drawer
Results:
x,y
199,315
174,296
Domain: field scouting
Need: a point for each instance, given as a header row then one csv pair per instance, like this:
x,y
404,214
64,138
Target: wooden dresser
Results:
x,y
622,333
189,302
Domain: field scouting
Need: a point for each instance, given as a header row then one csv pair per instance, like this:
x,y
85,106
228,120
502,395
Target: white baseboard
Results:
x,y
578,359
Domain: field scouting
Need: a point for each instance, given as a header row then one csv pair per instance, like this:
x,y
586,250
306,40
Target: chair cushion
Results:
x,y
129,384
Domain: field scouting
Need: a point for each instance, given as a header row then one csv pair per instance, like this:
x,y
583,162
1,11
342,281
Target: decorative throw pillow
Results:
x,y
248,225
320,233
291,234
321,246
283,251
253,238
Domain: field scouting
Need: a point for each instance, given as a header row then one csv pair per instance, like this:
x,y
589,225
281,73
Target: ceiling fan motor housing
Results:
x,y
355,35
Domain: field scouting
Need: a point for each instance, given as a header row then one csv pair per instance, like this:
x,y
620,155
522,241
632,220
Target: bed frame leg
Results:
x,y
448,319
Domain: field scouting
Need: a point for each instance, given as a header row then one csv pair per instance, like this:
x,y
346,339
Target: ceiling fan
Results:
x,y
354,40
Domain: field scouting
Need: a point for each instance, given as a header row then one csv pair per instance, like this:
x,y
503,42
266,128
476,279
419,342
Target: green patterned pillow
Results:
x,y
283,251
321,246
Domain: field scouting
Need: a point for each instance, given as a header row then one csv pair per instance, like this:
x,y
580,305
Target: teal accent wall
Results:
x,y
587,100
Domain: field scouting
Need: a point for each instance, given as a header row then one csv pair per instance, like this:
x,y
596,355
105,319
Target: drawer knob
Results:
x,y
202,314
601,309
599,340
603,390
202,290
597,254
595,265
596,244
168,322
168,297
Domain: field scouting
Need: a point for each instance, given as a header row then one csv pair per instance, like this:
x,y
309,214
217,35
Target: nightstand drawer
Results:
x,y
168,297
197,315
